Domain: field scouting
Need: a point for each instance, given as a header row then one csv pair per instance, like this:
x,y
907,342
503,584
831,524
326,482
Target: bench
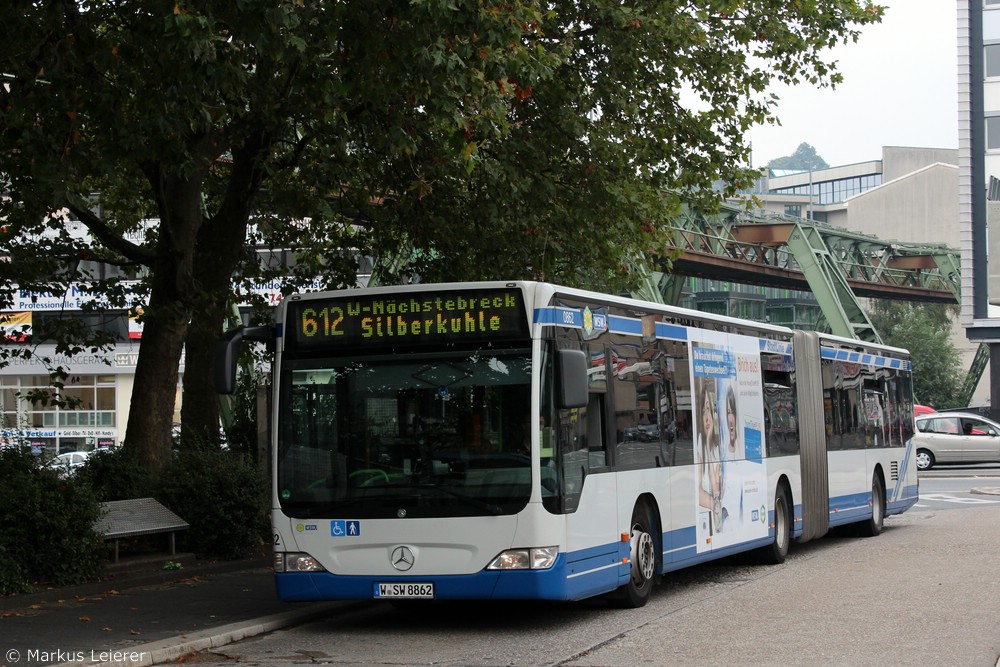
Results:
x,y
135,517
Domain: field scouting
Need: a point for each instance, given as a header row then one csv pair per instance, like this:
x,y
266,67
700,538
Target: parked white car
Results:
x,y
68,463
956,437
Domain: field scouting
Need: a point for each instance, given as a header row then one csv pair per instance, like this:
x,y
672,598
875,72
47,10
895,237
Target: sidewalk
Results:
x,y
141,614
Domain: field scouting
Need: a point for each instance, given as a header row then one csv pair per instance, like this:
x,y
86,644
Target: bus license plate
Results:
x,y
407,590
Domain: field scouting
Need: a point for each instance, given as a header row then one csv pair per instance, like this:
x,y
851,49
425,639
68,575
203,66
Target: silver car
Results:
x,y
956,437
68,463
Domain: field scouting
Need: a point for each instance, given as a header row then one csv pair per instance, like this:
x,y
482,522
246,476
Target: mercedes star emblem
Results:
x,y
402,558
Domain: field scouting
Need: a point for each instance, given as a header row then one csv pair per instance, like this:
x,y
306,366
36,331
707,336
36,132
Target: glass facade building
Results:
x,y
833,191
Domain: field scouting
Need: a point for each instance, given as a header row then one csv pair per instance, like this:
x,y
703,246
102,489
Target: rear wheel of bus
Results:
x,y
776,552
643,547
873,526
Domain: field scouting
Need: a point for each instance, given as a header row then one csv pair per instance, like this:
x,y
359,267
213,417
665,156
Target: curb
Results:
x,y
986,491
168,650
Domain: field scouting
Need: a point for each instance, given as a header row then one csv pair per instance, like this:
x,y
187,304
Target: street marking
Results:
x,y
945,498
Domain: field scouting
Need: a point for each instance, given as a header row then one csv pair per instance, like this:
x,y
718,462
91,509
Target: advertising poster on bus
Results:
x,y
728,412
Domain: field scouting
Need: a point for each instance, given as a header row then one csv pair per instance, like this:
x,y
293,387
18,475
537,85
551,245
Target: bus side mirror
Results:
x,y
227,354
572,380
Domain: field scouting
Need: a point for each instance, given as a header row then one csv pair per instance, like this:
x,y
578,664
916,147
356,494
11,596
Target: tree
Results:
x,y
925,330
465,139
803,159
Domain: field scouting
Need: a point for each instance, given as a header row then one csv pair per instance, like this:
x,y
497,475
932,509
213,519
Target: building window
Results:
x,y
793,210
992,60
90,406
992,133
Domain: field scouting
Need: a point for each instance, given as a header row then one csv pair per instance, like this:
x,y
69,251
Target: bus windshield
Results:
x,y
405,435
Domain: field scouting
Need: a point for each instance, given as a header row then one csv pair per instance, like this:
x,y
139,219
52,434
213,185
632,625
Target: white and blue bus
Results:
x,y
521,440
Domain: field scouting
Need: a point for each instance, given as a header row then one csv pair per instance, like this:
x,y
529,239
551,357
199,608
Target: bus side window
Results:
x,y
596,444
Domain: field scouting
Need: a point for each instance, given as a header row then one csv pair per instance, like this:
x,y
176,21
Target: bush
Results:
x,y
46,528
223,498
116,474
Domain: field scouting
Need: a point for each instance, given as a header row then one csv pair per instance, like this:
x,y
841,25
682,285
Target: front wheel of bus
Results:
x,y
642,557
873,526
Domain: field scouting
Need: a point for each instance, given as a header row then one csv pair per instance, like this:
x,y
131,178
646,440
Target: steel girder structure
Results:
x,y
838,266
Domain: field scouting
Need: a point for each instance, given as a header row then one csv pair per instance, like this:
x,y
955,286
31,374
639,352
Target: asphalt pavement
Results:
x,y
143,612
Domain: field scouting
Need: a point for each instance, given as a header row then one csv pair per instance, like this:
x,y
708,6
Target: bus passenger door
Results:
x,y
590,495
582,446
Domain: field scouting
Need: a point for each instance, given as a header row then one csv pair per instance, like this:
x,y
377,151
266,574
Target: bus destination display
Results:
x,y
408,318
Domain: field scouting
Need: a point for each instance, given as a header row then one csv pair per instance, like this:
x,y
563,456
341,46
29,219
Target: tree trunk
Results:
x,y
220,245
200,402
155,391
165,320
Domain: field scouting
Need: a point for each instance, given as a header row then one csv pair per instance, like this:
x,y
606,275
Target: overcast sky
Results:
x,y
900,89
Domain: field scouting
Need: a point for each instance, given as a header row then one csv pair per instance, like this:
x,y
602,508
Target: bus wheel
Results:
x,y
775,553
873,526
642,556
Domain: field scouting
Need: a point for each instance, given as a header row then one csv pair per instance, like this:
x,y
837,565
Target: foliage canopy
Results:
x,y
459,139
925,330
804,158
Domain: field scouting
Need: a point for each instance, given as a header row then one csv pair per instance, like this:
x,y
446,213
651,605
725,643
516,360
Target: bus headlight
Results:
x,y
538,558
296,562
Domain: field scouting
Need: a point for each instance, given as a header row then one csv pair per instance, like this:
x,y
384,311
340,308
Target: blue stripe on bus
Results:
x,y
903,467
910,496
549,584
671,331
679,544
776,346
850,504
564,317
866,359
573,318
573,577
624,325
680,548
857,506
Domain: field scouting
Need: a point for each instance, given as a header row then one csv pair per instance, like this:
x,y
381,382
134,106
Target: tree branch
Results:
x,y
103,233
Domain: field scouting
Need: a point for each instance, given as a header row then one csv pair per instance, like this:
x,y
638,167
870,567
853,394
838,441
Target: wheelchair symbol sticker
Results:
x,y
342,528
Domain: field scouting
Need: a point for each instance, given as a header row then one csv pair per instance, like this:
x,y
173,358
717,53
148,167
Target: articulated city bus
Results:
x,y
521,440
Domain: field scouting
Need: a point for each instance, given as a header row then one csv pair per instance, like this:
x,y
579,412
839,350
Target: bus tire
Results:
x,y
873,525
643,547
776,552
